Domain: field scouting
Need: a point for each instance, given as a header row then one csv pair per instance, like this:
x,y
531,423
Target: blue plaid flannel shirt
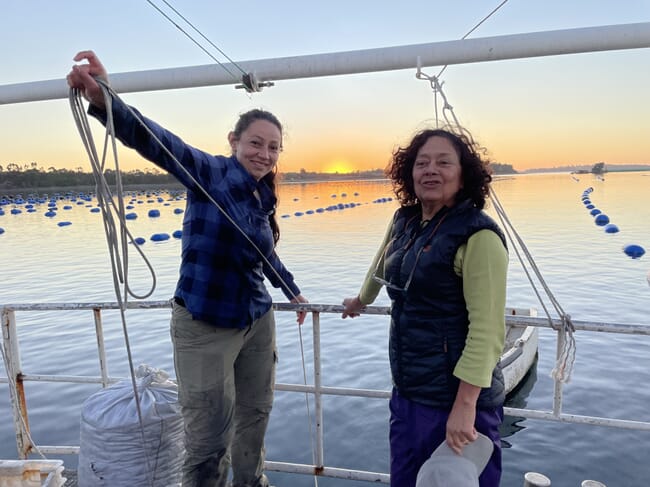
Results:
x,y
221,278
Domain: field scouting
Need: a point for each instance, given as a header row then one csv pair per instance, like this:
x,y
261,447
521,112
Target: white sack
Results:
x,y
112,451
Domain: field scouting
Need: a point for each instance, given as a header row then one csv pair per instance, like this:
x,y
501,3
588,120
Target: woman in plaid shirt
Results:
x,y
222,325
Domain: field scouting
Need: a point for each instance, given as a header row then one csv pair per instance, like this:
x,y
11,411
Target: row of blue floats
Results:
x,y
340,206
634,251
31,203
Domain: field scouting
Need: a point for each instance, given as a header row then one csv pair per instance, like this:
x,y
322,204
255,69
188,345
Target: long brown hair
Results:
x,y
244,121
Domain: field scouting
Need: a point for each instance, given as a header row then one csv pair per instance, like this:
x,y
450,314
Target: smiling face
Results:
x,y
437,175
258,147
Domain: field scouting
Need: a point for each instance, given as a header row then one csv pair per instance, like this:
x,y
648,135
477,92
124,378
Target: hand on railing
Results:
x,y
301,314
353,306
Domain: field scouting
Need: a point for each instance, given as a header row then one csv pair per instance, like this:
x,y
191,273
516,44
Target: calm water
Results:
x,y
329,253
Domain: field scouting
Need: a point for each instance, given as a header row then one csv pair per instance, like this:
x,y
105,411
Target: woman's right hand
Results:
x,y
82,77
353,306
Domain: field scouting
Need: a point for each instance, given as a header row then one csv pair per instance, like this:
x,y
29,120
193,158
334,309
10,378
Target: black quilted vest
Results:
x,y
429,321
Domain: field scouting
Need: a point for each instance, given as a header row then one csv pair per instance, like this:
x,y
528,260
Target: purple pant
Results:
x,y
416,430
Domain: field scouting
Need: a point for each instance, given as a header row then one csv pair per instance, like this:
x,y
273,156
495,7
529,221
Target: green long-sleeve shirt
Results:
x,y
483,264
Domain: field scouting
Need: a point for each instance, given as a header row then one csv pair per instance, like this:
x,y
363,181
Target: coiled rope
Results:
x,y
117,240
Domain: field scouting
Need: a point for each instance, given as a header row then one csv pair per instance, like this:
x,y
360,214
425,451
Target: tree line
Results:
x,y
14,176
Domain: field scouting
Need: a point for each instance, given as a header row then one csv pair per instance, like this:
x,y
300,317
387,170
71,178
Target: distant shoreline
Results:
x,y
312,178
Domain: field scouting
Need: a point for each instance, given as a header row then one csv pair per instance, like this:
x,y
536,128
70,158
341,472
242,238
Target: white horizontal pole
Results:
x,y
514,46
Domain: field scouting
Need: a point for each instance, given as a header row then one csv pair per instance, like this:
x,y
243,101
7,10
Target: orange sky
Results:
x,y
530,113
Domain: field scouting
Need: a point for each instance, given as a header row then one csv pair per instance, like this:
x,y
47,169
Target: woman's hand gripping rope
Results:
x,y
83,77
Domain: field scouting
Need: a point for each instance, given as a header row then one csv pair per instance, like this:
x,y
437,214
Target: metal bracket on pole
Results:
x,y
251,84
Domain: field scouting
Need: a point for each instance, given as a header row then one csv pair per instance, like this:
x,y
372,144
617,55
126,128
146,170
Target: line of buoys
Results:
x,y
634,251
340,206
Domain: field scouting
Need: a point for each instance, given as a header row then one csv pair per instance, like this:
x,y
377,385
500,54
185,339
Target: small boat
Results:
x,y
519,354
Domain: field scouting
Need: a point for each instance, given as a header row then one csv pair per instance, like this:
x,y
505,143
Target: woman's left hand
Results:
x,y
301,314
460,424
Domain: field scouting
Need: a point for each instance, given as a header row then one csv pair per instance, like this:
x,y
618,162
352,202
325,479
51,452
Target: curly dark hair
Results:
x,y
476,172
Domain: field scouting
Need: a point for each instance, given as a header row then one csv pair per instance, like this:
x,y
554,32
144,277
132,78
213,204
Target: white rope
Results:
x,y
564,364
108,93
116,240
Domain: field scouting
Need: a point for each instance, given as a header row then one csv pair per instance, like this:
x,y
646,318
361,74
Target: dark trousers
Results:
x,y
416,430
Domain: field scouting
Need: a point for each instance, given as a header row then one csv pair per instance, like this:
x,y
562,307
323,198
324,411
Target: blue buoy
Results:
x,y
601,220
139,240
586,201
177,234
131,216
94,210
64,224
309,212
178,211
50,214
595,212
633,250
159,237
590,207
154,213
611,228
16,211
285,216
298,213
2,230
67,207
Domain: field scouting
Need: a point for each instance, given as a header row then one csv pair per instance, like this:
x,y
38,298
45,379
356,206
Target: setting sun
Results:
x,y
338,166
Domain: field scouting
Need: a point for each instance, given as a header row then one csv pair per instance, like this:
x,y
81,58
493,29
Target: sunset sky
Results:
x,y
532,113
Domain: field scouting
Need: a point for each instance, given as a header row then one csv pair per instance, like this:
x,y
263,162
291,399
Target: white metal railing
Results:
x,y
16,378
512,46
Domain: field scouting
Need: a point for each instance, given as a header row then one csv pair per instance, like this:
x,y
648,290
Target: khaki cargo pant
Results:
x,y
225,384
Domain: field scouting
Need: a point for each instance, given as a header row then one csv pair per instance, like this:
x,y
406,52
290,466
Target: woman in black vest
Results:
x,y
443,262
